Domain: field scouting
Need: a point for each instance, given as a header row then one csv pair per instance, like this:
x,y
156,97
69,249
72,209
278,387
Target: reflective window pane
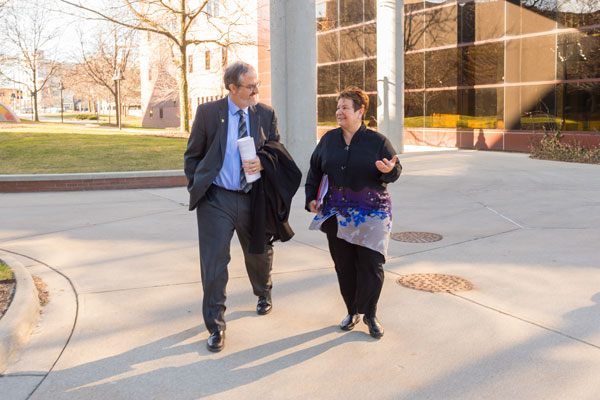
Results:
x,y
441,109
437,3
441,27
326,15
370,32
352,74
371,75
580,107
351,12
414,73
328,79
538,107
352,43
413,109
466,23
578,55
326,110
441,68
481,108
538,16
483,64
414,32
327,47
370,10
573,14
413,5
489,19
371,115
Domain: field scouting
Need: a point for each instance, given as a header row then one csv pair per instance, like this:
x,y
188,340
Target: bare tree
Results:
x,y
112,51
175,21
28,38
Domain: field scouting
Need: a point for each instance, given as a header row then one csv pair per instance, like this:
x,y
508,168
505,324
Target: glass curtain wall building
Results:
x,y
493,74
346,54
488,74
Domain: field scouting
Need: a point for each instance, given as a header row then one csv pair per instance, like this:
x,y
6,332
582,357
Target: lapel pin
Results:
x,y
222,120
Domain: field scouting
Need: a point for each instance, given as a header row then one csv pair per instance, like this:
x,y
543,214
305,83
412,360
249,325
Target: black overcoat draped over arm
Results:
x,y
272,196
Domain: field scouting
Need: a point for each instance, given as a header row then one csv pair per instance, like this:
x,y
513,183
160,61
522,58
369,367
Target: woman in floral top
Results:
x,y
355,164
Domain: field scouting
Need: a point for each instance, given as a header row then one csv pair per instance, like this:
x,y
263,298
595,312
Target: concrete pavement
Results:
x,y
124,319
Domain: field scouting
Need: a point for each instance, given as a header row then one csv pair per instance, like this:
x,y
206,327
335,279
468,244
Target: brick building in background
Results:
x,y
160,95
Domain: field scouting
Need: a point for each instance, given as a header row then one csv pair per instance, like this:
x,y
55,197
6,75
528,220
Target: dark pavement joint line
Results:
x,y
527,321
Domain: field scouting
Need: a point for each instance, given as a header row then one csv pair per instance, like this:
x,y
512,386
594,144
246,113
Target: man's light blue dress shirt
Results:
x,y
229,176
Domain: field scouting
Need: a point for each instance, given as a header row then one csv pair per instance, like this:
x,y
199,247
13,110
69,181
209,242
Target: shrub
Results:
x,y
551,147
86,116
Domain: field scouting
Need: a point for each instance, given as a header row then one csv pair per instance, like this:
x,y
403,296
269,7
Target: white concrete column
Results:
x,y
294,75
390,71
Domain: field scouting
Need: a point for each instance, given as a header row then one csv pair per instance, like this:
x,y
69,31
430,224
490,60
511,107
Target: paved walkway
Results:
x,y
124,321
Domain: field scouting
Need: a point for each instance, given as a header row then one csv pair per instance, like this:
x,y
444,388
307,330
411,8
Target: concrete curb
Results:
x,y
16,324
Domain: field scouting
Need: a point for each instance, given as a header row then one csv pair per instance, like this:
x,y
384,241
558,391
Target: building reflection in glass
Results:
x,y
346,54
509,66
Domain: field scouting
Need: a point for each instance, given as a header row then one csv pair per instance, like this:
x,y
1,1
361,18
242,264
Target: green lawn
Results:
x,y
36,148
5,272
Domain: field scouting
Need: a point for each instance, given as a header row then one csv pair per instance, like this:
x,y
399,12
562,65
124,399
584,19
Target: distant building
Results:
x,y
205,62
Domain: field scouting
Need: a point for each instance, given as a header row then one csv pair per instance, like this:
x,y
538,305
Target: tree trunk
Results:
x,y
184,122
184,116
36,115
117,111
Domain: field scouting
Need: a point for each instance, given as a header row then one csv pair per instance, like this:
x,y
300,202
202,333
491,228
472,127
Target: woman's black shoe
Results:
x,y
375,328
348,323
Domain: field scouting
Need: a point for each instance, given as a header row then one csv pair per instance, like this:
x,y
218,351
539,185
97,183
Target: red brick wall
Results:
x,y
491,139
92,184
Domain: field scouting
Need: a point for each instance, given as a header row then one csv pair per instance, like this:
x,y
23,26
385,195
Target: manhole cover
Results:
x,y
416,237
435,282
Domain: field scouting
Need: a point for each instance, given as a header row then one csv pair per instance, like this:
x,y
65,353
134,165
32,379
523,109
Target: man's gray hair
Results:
x,y
234,72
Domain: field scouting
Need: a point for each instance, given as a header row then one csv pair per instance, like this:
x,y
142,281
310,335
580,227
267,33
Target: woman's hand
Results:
x,y
384,166
312,206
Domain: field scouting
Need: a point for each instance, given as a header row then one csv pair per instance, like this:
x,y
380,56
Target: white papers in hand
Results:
x,y
248,152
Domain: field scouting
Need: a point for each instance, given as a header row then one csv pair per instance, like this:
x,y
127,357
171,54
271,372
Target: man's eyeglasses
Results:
x,y
251,87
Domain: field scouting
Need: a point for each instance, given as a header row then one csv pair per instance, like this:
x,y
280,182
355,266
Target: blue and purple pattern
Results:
x,y
364,218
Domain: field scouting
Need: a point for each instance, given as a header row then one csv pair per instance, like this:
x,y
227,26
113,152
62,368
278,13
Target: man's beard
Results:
x,y
252,101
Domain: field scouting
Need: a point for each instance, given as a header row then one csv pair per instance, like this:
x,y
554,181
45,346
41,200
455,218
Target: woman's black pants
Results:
x,y
359,271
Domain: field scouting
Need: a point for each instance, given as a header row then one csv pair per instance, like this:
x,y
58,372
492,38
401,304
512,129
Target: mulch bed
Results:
x,y
7,289
43,295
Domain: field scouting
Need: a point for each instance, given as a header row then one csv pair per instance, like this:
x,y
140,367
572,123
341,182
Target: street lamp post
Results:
x,y
61,87
118,78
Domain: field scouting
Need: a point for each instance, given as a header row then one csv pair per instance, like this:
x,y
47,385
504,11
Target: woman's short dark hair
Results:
x,y
357,95
234,72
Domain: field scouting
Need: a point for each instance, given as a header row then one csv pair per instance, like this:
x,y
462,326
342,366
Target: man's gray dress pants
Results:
x,y
219,213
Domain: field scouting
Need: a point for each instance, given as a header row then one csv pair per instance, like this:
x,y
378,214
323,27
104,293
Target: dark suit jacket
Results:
x,y
203,158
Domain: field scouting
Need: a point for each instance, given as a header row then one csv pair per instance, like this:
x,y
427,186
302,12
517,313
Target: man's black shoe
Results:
x,y
348,323
216,341
375,328
264,305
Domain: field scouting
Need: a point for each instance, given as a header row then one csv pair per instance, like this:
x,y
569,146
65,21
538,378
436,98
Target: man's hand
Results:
x,y
312,206
384,166
253,166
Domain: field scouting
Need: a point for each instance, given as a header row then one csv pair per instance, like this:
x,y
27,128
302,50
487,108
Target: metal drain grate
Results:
x,y
435,283
416,237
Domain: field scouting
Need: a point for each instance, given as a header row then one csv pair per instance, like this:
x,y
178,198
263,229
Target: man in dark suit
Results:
x,y
221,196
